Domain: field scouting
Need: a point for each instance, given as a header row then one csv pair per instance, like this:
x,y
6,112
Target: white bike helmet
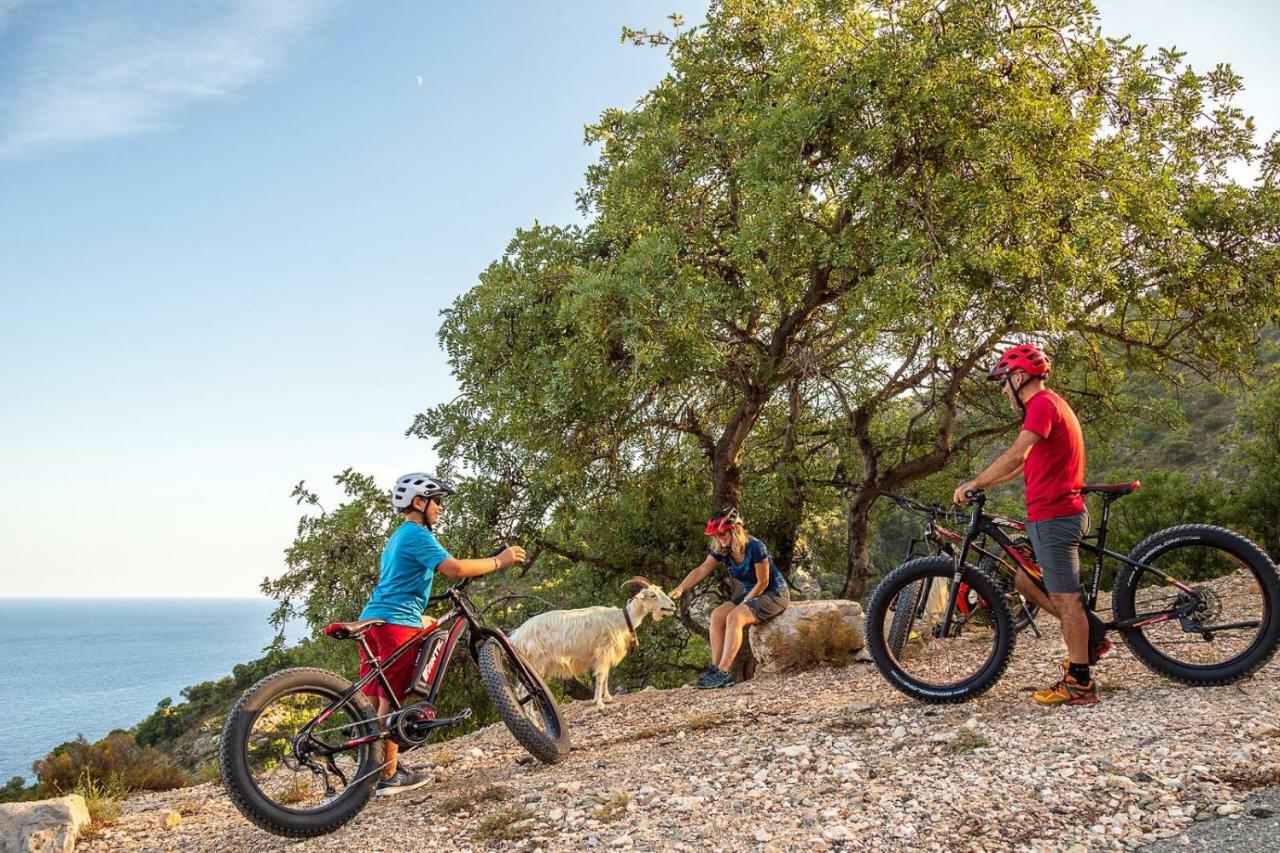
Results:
x,y
418,485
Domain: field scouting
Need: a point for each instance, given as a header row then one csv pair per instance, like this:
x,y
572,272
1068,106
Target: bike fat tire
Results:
x,y
915,571
550,746
904,616
1264,571
236,778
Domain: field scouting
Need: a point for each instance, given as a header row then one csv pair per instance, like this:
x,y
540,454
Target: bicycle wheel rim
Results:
x,y
272,766
1232,592
933,663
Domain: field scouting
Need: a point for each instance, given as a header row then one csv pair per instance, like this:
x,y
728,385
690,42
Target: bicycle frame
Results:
x,y
994,527
437,643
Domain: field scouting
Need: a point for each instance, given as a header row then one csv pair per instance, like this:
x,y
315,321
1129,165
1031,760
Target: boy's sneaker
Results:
x,y
1068,691
714,679
400,781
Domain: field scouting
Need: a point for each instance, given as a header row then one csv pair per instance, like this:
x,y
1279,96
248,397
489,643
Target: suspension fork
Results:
x,y
962,555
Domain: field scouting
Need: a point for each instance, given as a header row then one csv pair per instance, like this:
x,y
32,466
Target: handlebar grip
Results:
x,y
496,553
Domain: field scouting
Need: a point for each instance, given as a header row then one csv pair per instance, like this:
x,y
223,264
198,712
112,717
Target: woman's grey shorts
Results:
x,y
766,605
1057,545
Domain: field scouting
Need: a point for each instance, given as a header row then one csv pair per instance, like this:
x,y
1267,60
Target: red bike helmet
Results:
x,y
1024,357
723,521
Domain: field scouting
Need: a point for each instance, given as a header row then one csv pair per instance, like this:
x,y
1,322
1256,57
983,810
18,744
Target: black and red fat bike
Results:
x,y
1196,603
302,750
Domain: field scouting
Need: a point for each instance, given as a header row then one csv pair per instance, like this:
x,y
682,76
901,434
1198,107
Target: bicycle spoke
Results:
x,y
938,661
1229,607
276,736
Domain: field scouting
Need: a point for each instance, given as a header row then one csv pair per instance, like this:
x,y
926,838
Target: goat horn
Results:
x,y
638,580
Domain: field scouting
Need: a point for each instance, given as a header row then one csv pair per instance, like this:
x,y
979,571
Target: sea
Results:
x,y
86,666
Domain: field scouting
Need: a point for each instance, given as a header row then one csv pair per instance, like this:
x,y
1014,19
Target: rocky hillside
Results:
x,y
831,759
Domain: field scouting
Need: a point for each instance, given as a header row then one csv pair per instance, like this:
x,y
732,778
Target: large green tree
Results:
x,y
815,232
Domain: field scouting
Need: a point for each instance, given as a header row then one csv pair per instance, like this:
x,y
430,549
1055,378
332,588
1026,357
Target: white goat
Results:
x,y
568,643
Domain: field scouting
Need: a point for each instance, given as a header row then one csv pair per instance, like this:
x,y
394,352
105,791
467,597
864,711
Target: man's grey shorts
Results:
x,y
1057,545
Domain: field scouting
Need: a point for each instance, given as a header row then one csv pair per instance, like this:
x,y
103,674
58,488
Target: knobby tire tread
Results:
x,y
540,745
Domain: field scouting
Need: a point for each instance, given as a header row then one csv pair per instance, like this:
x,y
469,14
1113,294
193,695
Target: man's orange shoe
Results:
x,y
1068,691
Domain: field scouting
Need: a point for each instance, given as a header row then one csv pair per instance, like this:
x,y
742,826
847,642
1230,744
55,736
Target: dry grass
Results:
x,y
612,809
851,722
966,741
297,791
826,638
698,723
207,772
103,803
510,824
465,798
444,758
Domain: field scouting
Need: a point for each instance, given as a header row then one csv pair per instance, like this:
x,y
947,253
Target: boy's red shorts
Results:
x,y
383,640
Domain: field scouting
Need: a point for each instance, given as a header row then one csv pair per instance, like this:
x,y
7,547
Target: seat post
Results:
x,y
1106,516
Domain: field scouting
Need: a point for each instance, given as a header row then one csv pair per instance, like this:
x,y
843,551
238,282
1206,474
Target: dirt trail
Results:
x,y
831,759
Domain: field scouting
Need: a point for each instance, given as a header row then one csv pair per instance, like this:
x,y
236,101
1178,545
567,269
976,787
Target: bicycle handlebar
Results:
x,y
932,509
462,584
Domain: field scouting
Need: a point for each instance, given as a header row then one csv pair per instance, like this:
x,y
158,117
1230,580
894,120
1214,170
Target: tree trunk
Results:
x,y
784,546
858,548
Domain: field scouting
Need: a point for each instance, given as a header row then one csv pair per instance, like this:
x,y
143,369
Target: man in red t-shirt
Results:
x,y
1049,454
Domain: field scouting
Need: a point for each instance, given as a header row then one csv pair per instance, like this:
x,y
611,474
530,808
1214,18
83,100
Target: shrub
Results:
x,y
17,790
826,638
117,761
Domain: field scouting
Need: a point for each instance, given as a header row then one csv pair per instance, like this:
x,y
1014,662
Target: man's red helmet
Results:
x,y
723,521
1023,357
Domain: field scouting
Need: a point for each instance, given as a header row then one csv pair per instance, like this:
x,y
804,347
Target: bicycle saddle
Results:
x,y
1115,490
351,630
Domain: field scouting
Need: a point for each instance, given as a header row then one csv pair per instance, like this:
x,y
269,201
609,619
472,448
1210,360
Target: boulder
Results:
x,y
47,826
805,627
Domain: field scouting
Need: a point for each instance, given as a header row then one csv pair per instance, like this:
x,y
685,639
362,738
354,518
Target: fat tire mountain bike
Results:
x,y
302,750
1196,603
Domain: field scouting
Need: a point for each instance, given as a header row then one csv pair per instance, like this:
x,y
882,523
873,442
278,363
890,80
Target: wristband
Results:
x,y
496,566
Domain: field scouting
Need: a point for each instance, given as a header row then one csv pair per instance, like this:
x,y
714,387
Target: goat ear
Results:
x,y
638,580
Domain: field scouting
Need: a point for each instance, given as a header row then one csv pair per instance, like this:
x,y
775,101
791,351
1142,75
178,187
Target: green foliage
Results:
x,y
170,723
17,790
803,247
117,761
1257,470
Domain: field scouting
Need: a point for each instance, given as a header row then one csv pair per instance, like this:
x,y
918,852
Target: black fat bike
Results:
x,y
302,750
1195,602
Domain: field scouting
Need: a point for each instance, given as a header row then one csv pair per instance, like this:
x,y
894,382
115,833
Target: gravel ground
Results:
x,y
830,759
1262,833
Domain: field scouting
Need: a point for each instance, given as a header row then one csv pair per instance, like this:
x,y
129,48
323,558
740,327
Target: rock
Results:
x,y
763,835
785,628
837,833
44,825
684,804
473,752
1230,808
800,750
170,820
622,841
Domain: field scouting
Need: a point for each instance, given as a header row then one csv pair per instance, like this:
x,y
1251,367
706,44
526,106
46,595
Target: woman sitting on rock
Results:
x,y
760,591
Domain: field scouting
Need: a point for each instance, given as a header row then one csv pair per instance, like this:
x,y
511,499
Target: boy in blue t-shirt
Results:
x,y
409,563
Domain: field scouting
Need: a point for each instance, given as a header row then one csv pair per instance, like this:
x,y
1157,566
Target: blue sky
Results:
x,y
227,230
